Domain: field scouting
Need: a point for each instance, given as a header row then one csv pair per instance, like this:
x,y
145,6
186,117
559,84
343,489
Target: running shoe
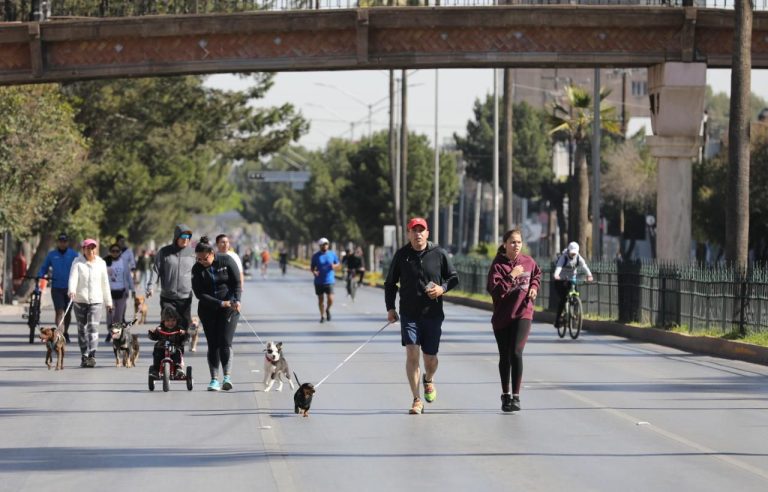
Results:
x,y
328,314
417,408
83,361
430,391
515,403
322,319
214,385
506,402
90,362
227,385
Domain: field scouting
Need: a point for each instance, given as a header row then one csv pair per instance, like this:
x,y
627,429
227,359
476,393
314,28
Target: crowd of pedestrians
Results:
x,y
420,273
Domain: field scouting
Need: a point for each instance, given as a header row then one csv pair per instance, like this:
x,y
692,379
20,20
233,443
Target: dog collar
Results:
x,y
274,363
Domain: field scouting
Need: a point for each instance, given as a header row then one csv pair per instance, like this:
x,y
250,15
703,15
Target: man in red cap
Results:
x,y
424,273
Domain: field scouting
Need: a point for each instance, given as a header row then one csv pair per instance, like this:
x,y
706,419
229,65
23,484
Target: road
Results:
x,y
599,414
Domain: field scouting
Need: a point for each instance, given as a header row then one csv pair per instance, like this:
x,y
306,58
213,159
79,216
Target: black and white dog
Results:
x,y
275,367
124,344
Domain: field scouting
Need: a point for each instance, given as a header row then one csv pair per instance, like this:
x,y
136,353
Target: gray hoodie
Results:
x,y
173,268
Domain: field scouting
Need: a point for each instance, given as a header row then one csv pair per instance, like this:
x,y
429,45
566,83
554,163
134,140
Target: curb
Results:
x,y
716,347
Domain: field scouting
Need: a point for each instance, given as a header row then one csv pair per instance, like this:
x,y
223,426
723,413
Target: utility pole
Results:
x,y
509,99
495,227
436,205
596,240
394,168
404,148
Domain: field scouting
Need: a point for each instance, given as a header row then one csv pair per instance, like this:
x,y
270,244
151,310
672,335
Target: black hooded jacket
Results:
x,y
413,270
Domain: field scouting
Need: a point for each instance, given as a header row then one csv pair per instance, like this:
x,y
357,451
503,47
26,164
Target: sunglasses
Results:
x,y
185,236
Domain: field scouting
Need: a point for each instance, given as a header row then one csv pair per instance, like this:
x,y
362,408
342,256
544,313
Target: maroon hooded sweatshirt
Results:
x,y
510,296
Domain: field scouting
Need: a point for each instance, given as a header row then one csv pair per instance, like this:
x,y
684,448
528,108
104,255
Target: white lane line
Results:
x,y
665,433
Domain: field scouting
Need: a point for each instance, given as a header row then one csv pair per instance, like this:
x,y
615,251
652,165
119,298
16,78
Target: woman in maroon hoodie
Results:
x,y
513,283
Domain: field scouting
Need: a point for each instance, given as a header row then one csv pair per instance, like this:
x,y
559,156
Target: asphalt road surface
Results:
x,y
599,414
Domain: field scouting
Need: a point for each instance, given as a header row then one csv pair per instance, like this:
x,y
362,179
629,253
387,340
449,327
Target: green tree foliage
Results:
x,y
41,155
348,197
575,120
163,148
531,148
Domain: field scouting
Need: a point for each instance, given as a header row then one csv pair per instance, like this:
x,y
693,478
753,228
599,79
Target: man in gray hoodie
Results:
x,y
173,269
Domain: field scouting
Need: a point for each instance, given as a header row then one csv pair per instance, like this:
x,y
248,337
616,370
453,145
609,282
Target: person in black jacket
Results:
x,y
216,284
424,273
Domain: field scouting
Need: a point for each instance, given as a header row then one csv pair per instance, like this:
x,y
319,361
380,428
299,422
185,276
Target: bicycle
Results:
x,y
167,369
32,314
573,317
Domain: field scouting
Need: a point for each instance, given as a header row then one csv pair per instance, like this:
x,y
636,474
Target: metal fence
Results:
x,y
697,297
17,10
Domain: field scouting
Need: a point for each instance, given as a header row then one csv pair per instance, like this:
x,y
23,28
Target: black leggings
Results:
x,y
562,288
511,342
219,327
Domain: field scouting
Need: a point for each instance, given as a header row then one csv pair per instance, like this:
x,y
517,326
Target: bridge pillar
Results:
x,y
677,93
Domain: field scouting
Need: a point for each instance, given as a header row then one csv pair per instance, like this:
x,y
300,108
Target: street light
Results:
x,y
358,100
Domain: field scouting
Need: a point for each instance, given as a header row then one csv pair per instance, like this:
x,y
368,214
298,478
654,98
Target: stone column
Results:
x,y
677,92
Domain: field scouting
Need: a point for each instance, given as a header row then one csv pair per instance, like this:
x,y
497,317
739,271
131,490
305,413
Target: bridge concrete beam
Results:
x,y
376,38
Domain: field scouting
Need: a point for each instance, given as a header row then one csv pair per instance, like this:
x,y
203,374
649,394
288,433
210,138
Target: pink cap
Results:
x,y
89,242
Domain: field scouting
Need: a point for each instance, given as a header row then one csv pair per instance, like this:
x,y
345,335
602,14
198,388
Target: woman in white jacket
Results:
x,y
89,289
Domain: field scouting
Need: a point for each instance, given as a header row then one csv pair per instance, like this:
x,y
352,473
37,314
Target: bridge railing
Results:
x,y
700,298
22,10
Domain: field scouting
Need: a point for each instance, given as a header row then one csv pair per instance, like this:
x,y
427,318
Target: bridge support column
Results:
x,y
677,93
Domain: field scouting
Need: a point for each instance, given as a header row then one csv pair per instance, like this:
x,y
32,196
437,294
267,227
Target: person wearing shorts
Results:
x,y
421,272
324,264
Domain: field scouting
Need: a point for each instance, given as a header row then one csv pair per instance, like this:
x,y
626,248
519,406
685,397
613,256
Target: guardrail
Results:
x,y
698,297
23,10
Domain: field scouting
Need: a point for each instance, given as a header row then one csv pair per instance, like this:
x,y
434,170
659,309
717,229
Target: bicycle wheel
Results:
x,y
574,326
564,321
352,288
33,320
166,376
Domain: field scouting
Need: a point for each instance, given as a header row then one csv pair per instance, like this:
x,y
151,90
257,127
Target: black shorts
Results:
x,y
60,298
323,289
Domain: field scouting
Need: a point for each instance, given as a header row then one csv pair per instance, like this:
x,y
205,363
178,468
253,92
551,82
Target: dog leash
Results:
x,y
69,306
353,353
254,331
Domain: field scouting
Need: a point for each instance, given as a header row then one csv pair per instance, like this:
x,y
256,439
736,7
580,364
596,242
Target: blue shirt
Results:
x,y
323,263
61,264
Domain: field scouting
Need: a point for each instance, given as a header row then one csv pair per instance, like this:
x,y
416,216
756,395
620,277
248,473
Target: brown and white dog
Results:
x,y
275,367
194,333
53,340
140,308
124,344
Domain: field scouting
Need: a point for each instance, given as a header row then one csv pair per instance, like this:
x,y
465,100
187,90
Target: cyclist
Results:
x,y
569,263
60,260
354,264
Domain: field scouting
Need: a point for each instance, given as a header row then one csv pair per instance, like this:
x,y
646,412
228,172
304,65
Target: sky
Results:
x,y
337,103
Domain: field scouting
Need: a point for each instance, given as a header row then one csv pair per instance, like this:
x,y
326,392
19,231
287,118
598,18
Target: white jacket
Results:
x,y
90,282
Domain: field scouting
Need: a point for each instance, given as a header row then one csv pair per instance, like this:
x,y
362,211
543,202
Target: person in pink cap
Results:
x,y
89,290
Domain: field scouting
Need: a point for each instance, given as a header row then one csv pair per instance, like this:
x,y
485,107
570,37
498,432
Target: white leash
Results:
x,y
353,353
254,331
63,317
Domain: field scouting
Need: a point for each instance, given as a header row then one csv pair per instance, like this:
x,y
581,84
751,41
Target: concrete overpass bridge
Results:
x,y
676,43
371,38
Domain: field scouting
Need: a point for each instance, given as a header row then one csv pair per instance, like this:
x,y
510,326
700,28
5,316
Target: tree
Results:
x,y
163,148
737,205
531,149
629,180
575,120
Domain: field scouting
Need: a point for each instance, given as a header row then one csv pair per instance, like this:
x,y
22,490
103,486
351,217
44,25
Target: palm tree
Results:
x,y
574,119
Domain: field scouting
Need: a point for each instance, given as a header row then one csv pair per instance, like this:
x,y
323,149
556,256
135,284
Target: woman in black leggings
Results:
x,y
216,284
513,282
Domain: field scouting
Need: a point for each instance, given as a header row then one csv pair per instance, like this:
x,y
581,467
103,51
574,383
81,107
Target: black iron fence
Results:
x,y
697,297
20,10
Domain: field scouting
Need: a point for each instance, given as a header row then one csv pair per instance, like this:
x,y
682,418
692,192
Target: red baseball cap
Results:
x,y
417,221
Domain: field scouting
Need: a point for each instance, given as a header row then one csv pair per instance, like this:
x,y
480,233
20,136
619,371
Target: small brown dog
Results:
x,y
194,332
53,340
140,308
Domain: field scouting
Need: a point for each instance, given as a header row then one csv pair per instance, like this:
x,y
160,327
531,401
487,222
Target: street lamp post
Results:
x,y
495,156
436,216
